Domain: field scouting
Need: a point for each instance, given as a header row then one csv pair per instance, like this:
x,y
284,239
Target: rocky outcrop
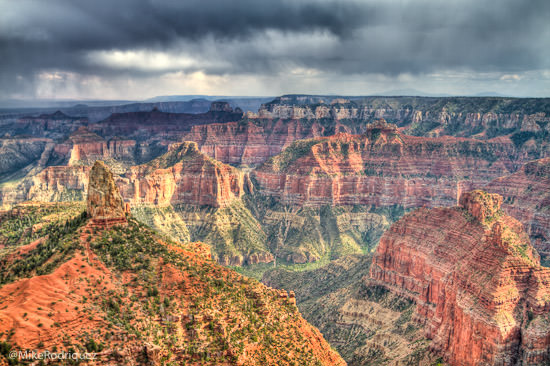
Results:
x,y
526,196
478,285
88,147
458,116
481,205
248,142
104,203
183,175
383,167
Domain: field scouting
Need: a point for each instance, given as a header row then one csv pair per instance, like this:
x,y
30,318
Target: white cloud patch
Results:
x,y
147,60
510,77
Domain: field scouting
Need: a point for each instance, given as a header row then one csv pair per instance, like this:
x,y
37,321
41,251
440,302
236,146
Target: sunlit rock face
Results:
x,y
104,202
183,175
476,280
526,196
383,167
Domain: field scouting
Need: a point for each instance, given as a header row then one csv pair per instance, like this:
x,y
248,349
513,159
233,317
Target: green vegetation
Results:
x,y
226,310
61,241
17,226
520,138
323,295
292,153
163,219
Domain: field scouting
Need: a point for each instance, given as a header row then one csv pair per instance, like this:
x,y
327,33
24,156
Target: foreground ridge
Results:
x,y
103,283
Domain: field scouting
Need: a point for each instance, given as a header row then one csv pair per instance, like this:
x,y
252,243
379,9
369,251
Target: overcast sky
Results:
x,y
136,49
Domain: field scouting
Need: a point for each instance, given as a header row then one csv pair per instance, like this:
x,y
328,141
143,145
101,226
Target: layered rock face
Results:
x,y
458,116
183,175
104,202
527,197
18,153
88,147
249,142
289,118
476,280
383,167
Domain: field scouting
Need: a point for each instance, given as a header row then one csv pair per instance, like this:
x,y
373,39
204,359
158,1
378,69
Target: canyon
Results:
x,y
382,168
368,196
459,285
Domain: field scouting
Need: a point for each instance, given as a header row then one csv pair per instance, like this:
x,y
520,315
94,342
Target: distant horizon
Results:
x,y
213,96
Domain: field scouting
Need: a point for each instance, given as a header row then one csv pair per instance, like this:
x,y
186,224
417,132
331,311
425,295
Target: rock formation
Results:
x,y
88,147
383,167
104,203
476,281
526,196
481,205
460,116
183,175
53,125
247,142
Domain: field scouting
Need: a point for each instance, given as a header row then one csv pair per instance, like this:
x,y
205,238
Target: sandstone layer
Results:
x,y
183,175
457,116
526,196
383,167
104,202
476,281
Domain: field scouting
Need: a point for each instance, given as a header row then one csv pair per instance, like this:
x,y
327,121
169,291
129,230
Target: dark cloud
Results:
x,y
272,37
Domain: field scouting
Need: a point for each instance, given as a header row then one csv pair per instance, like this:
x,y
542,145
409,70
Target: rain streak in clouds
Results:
x,y
134,49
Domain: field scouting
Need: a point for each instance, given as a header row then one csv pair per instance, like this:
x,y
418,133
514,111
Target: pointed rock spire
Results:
x,y
104,200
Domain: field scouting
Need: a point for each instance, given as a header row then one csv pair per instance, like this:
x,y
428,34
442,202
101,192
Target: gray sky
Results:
x,y
135,49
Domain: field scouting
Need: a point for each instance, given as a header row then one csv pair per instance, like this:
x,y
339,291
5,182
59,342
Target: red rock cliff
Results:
x,y
476,280
247,142
104,203
88,147
526,196
383,167
183,175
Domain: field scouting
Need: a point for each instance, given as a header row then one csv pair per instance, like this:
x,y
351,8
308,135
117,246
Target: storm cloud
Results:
x,y
140,48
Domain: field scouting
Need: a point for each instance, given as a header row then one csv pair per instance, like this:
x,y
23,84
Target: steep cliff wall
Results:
x,y
87,147
527,197
476,280
484,117
183,176
383,167
249,142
